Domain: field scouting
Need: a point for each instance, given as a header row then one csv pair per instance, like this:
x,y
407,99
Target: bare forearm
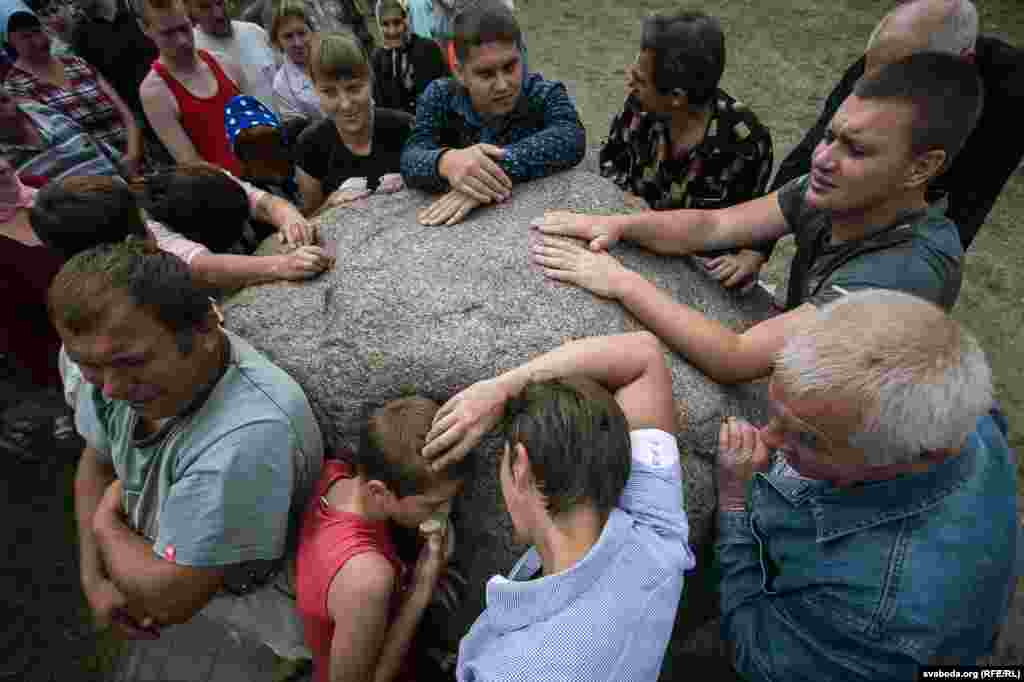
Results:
x,y
230,271
710,346
670,232
143,577
91,480
612,361
399,637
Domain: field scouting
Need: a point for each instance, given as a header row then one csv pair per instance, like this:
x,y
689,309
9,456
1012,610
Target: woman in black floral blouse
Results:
x,y
680,141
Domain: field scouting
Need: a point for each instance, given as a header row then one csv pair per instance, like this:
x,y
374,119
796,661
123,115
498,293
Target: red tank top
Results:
x,y
203,117
327,539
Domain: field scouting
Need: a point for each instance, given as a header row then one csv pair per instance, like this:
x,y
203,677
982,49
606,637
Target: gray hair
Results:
x,y
919,381
959,30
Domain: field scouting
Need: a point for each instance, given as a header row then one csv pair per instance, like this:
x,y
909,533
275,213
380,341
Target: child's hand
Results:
x,y
430,564
391,183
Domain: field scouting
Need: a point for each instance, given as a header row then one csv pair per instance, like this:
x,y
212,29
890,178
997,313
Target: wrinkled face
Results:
x,y
171,32
493,76
347,100
132,357
816,451
392,28
293,38
412,510
640,84
864,157
212,17
31,43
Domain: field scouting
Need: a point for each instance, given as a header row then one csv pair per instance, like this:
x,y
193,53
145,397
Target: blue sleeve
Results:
x,y
559,145
422,150
231,503
653,495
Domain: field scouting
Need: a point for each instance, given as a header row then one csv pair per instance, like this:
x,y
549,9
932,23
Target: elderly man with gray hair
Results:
x,y
882,535
972,183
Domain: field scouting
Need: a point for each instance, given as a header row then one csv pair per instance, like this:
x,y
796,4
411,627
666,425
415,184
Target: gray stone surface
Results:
x,y
430,310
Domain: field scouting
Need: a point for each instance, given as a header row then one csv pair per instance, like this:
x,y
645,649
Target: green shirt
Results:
x,y
919,254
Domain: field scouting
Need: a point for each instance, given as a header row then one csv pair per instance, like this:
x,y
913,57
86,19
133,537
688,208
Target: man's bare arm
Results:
x,y
677,232
230,271
163,115
630,365
91,481
169,592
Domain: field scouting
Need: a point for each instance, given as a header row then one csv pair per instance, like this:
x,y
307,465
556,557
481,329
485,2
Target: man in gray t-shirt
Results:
x,y
199,450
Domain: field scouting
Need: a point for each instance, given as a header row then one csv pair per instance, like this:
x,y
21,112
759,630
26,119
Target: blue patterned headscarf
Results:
x,y
243,112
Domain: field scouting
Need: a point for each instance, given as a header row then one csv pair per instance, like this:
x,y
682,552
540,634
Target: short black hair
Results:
x,y
80,212
82,293
489,21
689,53
577,441
200,201
946,95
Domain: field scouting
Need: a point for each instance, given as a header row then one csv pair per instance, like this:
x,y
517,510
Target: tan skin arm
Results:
x,y
311,190
133,152
164,117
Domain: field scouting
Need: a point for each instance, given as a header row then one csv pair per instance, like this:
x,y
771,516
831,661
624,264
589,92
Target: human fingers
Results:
x,y
560,222
496,173
491,150
461,210
454,455
442,437
735,279
476,188
431,214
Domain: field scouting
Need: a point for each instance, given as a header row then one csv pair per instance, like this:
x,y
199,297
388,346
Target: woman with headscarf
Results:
x,y
406,63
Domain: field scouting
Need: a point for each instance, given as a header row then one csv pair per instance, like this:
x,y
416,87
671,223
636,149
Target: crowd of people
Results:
x,y
147,150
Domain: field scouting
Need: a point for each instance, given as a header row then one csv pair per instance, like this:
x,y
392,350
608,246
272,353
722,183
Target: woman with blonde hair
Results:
x,y
356,149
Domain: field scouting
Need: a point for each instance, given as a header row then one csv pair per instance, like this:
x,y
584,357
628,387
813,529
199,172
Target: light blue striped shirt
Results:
x,y
610,616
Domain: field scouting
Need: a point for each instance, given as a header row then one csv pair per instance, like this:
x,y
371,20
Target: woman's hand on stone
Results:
x,y
463,421
298,232
600,231
450,209
567,261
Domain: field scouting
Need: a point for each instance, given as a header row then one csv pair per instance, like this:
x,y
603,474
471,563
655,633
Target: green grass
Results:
x,y
783,58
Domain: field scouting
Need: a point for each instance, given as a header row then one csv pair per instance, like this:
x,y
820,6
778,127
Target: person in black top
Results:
x,y
406,63
357,148
972,183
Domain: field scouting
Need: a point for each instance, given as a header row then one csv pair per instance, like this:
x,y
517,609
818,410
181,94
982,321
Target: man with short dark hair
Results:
x,y
860,219
883,535
680,141
200,452
490,126
591,478
971,184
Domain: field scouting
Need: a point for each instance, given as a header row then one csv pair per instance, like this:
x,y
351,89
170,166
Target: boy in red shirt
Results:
x,y
359,605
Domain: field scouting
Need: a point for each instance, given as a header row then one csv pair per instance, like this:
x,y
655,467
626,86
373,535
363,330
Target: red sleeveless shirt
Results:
x,y
203,117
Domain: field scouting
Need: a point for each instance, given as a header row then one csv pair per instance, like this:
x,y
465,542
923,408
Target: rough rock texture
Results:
x,y
429,310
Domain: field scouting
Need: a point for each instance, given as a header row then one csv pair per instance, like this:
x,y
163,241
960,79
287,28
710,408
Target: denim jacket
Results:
x,y
870,582
543,134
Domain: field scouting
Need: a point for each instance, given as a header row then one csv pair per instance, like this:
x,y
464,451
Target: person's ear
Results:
x,y
522,474
380,493
925,167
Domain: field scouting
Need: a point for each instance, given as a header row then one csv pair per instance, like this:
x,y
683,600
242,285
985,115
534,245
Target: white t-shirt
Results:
x,y
249,47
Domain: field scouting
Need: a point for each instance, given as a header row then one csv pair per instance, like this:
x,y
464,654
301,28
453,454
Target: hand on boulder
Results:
x,y
735,269
565,261
600,231
473,172
450,209
464,420
303,263
298,232
344,197
391,183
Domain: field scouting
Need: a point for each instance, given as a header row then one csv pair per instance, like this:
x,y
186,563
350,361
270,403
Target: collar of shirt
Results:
x,y
463,106
516,602
842,511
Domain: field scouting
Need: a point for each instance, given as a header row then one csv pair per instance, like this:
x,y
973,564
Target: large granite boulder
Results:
x,y
429,310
